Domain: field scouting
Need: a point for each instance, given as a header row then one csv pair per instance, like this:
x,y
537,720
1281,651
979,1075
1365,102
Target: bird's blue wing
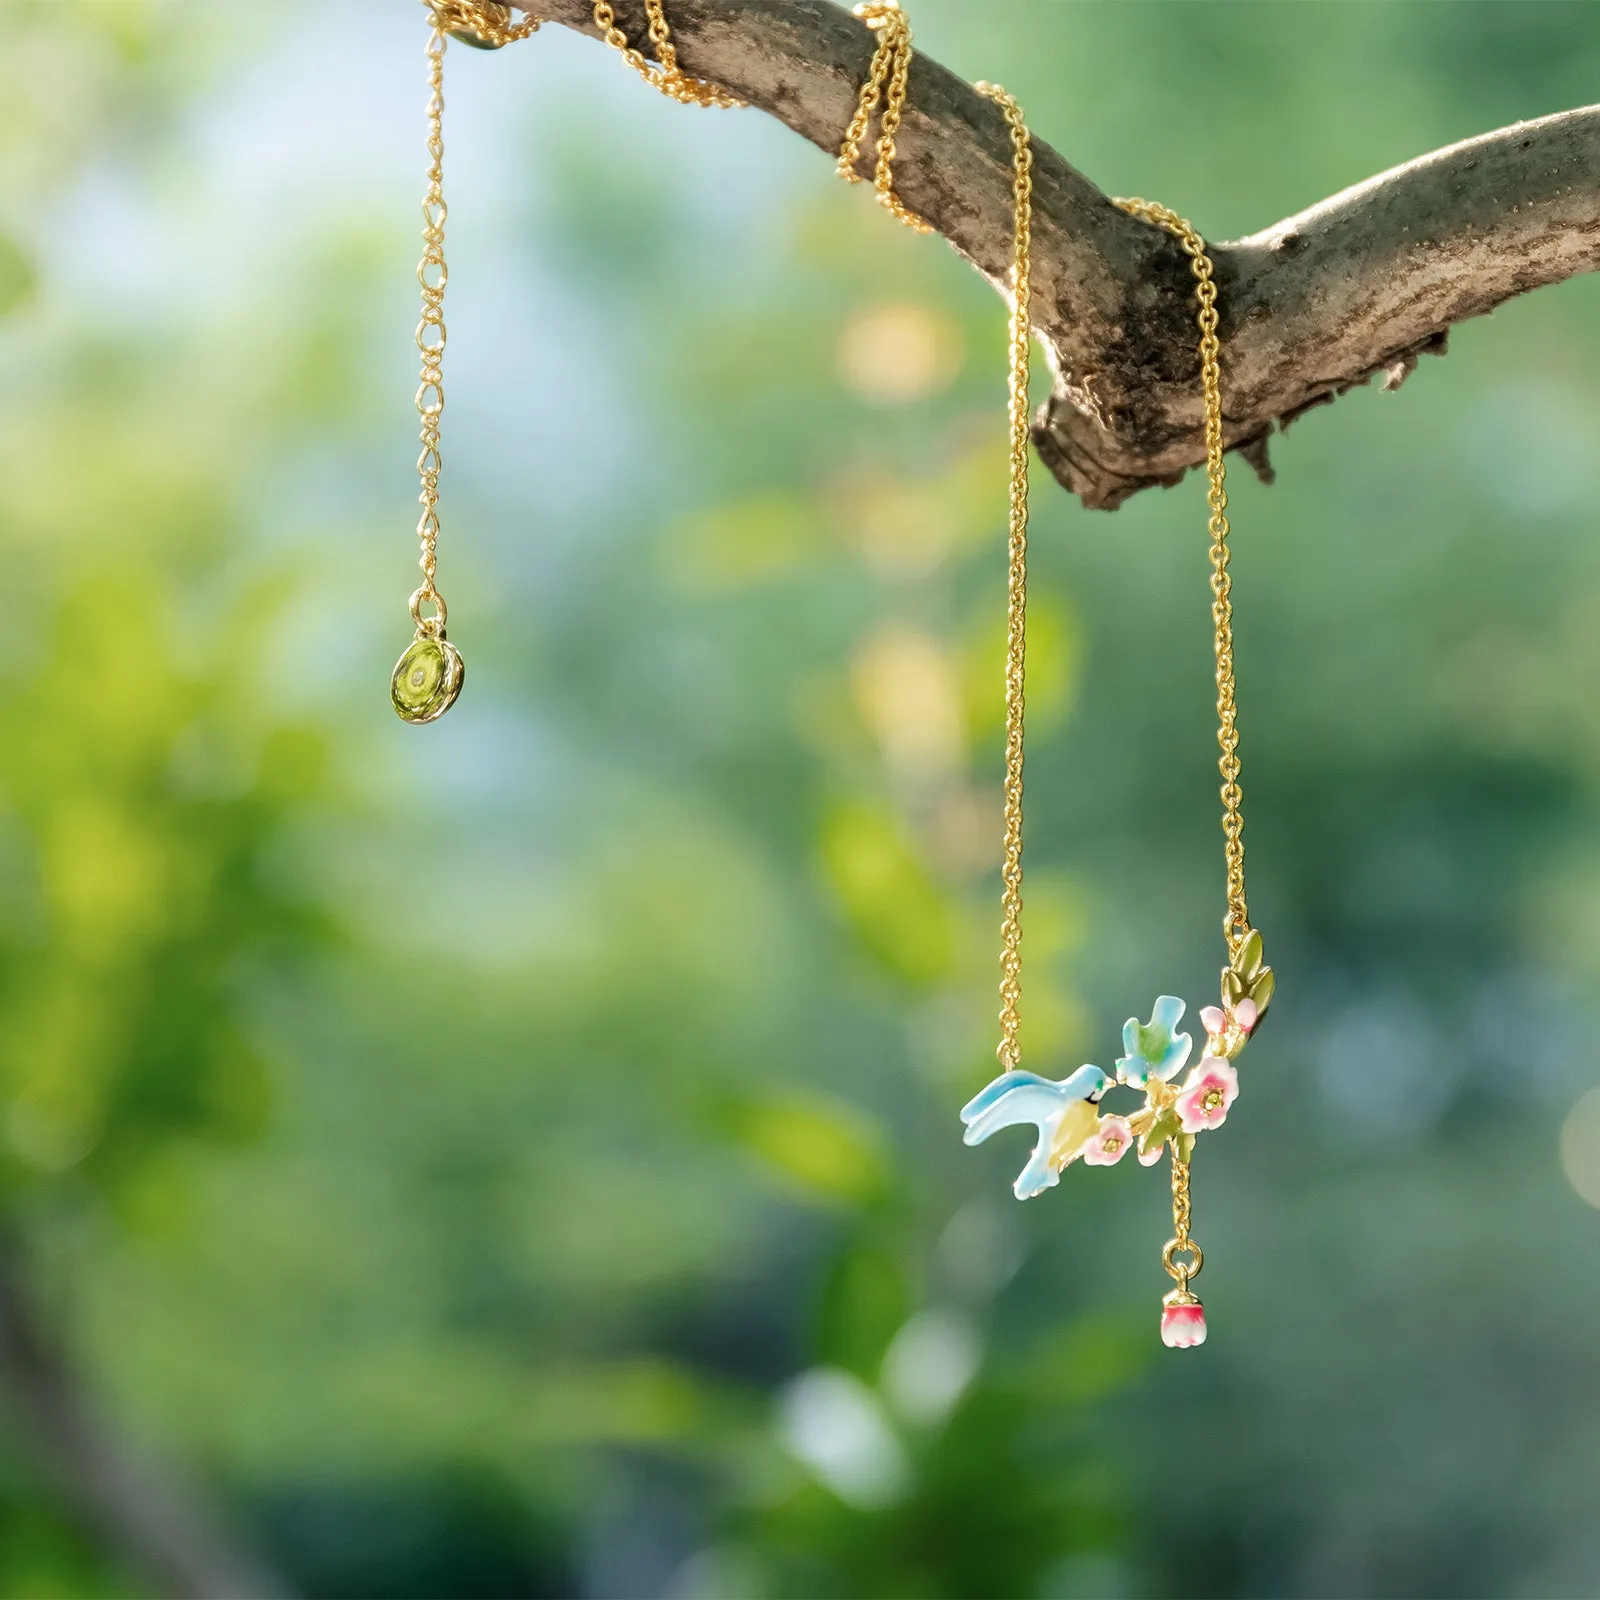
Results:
x,y
1004,1084
1039,1102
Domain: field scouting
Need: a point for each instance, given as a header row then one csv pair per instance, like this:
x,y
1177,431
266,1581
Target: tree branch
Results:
x,y
1357,286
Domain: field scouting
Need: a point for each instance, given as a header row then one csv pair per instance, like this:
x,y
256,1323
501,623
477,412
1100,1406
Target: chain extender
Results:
x,y
429,675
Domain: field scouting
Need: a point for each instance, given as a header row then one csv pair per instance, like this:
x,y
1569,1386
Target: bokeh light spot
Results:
x,y
834,1423
1580,1147
930,1364
909,695
891,354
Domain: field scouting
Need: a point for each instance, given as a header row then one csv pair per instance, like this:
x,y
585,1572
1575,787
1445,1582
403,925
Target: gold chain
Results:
x,y
886,80
667,76
481,22
1236,922
1010,1049
432,274
1180,1242
492,25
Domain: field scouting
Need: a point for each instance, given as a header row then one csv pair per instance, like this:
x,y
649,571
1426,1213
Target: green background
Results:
x,y
519,1156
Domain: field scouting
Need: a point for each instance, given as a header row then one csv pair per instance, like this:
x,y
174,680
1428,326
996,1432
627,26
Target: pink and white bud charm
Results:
x,y
1183,1320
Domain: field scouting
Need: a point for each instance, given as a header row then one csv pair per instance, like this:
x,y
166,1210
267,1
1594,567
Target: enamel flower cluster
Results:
x,y
1155,1054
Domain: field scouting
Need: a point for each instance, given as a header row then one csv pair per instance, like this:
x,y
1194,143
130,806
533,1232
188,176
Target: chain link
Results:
x,y
1236,922
1182,1257
886,80
1180,1243
481,22
663,74
1010,1048
491,25
432,275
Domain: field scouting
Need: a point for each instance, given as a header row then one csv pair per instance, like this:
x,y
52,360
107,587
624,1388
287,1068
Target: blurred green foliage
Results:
x,y
520,1156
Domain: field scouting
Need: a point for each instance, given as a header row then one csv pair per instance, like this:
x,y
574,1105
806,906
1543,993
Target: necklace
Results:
x,y
1068,1113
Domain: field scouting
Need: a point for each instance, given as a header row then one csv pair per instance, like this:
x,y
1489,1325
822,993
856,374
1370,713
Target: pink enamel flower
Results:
x,y
1210,1089
1109,1143
1183,1321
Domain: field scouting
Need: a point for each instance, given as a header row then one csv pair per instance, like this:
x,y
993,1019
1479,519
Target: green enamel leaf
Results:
x,y
1248,976
1152,1041
1247,963
1262,990
1165,1127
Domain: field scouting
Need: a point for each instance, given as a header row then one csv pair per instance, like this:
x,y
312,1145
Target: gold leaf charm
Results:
x,y
1248,978
427,678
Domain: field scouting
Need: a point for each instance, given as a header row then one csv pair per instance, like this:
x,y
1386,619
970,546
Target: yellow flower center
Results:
x,y
1213,1100
1111,1145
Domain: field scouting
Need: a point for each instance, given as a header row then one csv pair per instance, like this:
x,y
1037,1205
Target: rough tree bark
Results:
x,y
1357,286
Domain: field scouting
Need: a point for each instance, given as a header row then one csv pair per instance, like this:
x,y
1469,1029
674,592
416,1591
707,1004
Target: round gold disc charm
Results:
x,y
427,679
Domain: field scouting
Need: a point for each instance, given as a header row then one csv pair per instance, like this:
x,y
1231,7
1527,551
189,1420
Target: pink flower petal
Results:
x,y
1247,1014
1109,1144
1215,1020
1183,1325
1214,1069
1211,1088
1148,1158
